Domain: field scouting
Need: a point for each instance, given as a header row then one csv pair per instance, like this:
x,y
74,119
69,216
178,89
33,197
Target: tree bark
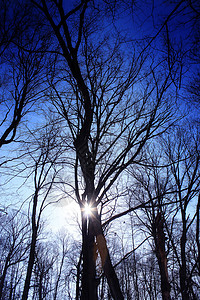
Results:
x,y
89,286
183,275
30,266
91,230
162,257
108,268
32,249
183,269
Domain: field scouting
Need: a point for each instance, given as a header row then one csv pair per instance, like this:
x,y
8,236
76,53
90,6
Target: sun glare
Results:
x,y
87,209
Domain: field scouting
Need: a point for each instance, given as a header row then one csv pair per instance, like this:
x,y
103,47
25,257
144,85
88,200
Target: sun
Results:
x,y
87,209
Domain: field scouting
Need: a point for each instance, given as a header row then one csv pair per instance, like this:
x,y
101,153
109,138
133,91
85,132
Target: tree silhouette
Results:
x,y
110,76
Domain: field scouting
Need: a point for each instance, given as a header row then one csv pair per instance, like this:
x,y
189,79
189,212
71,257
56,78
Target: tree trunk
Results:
x,y
40,287
78,277
4,274
105,259
91,228
89,284
198,235
30,266
183,271
162,257
183,276
32,249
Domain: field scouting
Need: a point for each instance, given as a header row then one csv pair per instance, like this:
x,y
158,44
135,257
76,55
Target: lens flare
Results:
x,y
87,209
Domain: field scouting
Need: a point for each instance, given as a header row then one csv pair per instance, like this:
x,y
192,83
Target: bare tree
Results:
x,y
109,122
110,94
184,157
43,271
154,190
44,174
22,72
63,252
14,250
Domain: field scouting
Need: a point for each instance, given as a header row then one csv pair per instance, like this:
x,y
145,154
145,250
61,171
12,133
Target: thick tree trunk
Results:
x,y
162,257
92,229
106,261
108,268
89,286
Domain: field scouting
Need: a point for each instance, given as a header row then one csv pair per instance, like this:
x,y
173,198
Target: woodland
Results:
x,y
99,123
